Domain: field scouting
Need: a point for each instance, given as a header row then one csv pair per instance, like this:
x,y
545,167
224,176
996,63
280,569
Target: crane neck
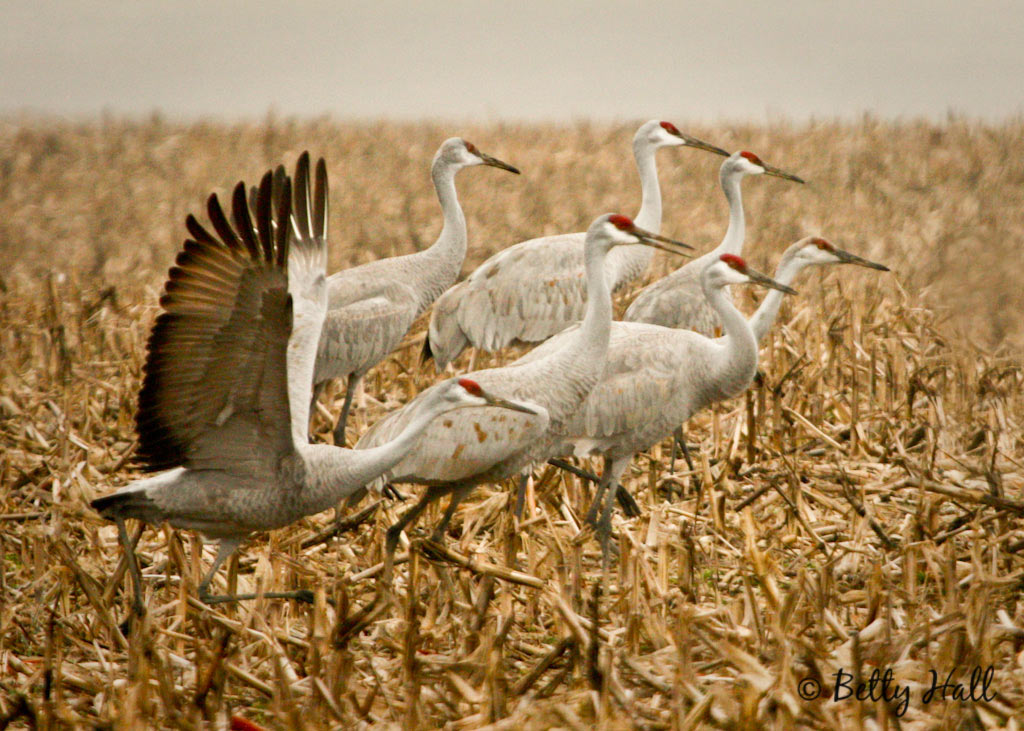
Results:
x,y
379,459
763,319
578,363
628,262
433,270
451,244
592,343
738,360
649,215
333,473
732,242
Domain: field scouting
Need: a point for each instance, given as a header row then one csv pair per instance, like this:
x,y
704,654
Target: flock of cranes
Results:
x,y
252,328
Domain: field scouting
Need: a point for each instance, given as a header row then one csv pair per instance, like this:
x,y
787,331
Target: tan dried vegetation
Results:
x,y
860,509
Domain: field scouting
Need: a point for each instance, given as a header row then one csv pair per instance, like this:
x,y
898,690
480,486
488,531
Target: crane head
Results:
x,y
747,163
613,229
459,153
732,269
656,133
816,250
463,392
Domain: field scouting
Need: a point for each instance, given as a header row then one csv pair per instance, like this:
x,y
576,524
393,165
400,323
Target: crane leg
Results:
x,y
459,493
391,493
395,531
613,470
430,494
521,494
574,470
318,388
679,441
602,485
224,551
138,606
604,529
681,438
350,391
626,501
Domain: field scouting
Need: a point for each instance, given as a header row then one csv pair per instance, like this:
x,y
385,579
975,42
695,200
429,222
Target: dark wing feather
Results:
x,y
214,391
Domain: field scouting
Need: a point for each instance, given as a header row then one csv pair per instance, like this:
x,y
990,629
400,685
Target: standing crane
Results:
x,y
222,416
371,307
461,451
534,289
654,379
677,301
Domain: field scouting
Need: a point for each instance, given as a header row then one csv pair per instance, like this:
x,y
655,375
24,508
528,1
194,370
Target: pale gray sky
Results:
x,y
527,59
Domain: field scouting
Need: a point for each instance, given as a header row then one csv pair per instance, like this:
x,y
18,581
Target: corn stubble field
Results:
x,y
860,510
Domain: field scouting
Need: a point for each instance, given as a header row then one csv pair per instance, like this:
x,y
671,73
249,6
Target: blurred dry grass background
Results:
x,y
869,519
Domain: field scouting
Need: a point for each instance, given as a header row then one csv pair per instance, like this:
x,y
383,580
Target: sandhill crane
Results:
x,y
677,301
534,289
461,451
808,251
654,379
222,412
371,307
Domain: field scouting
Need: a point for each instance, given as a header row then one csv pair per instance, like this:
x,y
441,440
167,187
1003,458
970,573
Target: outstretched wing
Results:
x,y
215,392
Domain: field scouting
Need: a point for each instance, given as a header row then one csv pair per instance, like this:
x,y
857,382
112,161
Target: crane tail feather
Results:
x,y
127,504
426,355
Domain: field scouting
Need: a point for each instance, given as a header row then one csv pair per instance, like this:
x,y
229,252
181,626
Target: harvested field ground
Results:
x,y
860,511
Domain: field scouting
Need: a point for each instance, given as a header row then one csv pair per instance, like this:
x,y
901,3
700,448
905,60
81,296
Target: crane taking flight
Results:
x,y
222,414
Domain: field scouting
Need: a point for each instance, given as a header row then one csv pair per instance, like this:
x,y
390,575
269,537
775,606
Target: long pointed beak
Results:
x,y
506,404
661,242
847,258
771,170
496,163
765,281
701,145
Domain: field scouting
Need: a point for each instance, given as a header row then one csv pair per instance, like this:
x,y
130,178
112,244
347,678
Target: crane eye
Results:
x,y
822,244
